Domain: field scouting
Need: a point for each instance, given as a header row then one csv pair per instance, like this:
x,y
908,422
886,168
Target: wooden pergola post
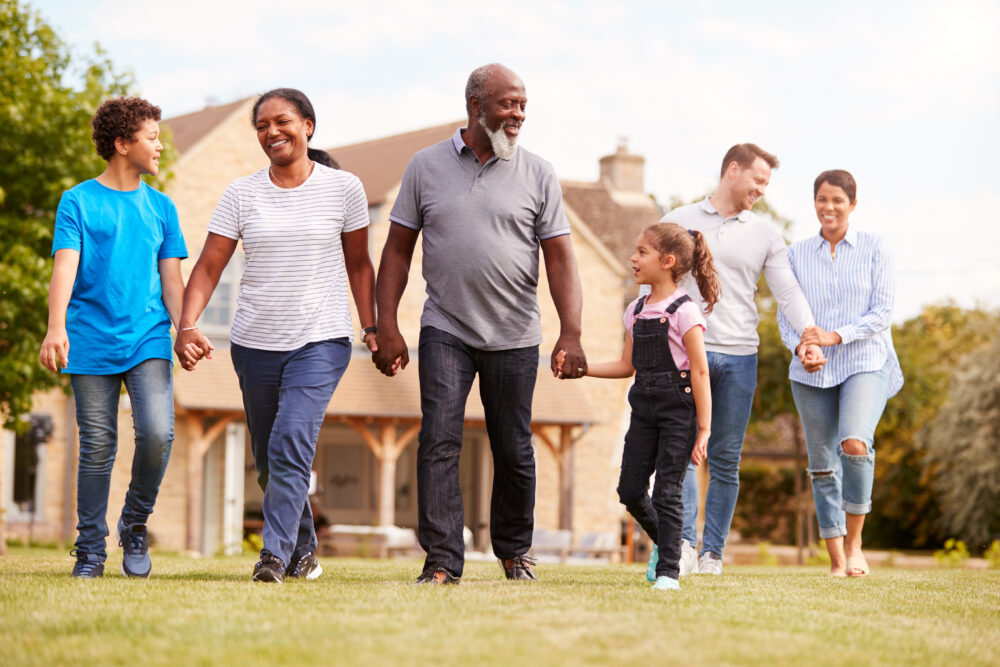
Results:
x,y
198,445
387,448
563,453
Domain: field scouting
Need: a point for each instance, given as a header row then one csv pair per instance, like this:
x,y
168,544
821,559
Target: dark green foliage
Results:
x,y
766,507
47,97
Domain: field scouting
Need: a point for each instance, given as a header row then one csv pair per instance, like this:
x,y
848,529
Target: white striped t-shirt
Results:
x,y
294,288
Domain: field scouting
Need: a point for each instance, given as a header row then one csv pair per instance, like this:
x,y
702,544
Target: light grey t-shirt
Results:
x,y
743,247
481,228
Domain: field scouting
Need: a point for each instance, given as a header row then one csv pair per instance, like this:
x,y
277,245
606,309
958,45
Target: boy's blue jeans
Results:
x,y
150,390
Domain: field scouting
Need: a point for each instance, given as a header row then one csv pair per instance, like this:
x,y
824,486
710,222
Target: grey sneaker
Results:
x,y
710,563
304,567
689,559
87,566
134,541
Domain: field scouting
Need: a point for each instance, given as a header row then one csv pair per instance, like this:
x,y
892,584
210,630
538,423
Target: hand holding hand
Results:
x,y
389,353
568,360
191,346
54,354
811,356
814,335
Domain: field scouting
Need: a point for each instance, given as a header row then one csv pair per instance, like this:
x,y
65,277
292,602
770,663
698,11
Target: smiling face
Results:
x,y
833,208
648,263
282,131
749,184
143,151
502,111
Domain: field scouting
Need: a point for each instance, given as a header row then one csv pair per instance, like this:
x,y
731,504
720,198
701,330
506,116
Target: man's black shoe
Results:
x,y
437,576
518,568
269,568
304,567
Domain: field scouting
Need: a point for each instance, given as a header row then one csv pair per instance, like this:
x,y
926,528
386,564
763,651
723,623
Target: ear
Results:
x,y
853,204
668,261
310,128
122,145
476,105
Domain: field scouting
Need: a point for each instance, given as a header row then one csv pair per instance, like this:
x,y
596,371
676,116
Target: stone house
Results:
x,y
365,464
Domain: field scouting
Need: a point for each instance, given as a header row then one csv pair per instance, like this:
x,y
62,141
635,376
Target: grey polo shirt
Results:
x,y
481,229
743,247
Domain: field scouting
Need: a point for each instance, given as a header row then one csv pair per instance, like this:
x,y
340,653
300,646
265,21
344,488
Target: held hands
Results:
x,y
191,346
54,354
568,360
814,335
389,352
811,356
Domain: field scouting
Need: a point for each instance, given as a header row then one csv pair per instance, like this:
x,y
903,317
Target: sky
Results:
x,y
903,94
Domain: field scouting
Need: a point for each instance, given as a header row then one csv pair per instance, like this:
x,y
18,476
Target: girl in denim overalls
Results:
x,y
670,399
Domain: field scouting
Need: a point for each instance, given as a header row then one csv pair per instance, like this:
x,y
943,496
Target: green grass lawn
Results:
x,y
206,611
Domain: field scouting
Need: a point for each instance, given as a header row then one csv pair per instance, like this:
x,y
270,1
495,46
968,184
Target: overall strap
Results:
x,y
638,306
672,308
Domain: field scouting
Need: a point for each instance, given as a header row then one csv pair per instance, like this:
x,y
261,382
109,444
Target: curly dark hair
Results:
x,y
121,118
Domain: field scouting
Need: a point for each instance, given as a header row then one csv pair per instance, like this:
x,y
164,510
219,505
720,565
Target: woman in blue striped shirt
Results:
x,y
846,276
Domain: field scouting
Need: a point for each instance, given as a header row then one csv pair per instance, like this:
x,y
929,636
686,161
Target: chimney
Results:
x,y
622,171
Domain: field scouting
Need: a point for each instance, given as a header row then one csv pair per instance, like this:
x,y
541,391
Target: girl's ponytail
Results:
x,y
703,270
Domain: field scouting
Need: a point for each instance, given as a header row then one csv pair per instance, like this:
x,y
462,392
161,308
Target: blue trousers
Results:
x,y
285,396
150,390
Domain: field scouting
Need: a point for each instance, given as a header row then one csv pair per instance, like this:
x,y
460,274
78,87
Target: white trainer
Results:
x,y
689,559
710,563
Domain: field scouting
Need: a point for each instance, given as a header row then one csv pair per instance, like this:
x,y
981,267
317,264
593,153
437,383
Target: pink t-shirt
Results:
x,y
688,315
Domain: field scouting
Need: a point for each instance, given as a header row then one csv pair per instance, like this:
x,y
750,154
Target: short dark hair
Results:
x,y
120,118
745,155
838,178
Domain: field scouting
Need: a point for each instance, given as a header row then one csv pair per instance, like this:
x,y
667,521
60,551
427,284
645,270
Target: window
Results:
x,y
217,318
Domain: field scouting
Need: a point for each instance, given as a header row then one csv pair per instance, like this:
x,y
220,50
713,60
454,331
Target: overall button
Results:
x,y
663,320
684,374
687,390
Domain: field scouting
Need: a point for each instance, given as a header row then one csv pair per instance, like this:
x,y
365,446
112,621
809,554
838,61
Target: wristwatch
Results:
x,y
368,330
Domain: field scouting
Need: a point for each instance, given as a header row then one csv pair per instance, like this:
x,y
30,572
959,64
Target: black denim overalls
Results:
x,y
660,437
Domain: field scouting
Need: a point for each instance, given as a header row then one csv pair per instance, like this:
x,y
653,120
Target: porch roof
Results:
x,y
364,392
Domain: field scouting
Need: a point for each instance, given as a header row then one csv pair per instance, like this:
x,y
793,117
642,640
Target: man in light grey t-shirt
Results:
x,y
485,208
743,246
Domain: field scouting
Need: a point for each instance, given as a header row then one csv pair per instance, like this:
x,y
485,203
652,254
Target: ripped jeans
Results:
x,y
842,483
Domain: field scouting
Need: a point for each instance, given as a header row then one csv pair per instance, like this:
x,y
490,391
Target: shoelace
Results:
x,y
522,562
83,564
133,543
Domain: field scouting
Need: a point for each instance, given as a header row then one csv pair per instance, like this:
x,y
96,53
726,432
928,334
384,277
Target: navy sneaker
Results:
x,y
134,541
88,566
437,576
304,567
269,569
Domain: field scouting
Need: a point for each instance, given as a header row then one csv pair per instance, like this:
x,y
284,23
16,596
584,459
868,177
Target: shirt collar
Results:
x,y
456,140
851,238
706,205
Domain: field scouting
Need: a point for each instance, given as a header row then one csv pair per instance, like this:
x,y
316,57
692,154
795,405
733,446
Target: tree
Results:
x,y
963,448
905,507
46,102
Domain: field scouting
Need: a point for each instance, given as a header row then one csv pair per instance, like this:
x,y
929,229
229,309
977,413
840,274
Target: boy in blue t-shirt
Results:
x,y
116,287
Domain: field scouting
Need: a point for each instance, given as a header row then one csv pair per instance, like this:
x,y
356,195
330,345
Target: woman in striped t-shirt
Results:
x,y
304,228
846,276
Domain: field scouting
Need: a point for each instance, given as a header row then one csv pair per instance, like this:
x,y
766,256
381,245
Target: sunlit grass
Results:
x,y
206,611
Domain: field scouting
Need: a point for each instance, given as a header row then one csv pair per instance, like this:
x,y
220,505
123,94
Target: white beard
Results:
x,y
503,145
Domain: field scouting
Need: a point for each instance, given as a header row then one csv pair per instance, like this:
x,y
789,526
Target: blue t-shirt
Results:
x,y
116,318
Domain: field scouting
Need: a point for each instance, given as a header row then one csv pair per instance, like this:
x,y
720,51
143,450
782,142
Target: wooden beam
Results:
x,y
566,478
199,442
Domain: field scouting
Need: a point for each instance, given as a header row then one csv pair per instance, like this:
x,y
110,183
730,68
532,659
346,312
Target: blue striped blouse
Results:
x,y
853,295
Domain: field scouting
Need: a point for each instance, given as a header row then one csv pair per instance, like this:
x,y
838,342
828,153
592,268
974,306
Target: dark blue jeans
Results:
x,y
733,379
285,395
150,390
506,384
